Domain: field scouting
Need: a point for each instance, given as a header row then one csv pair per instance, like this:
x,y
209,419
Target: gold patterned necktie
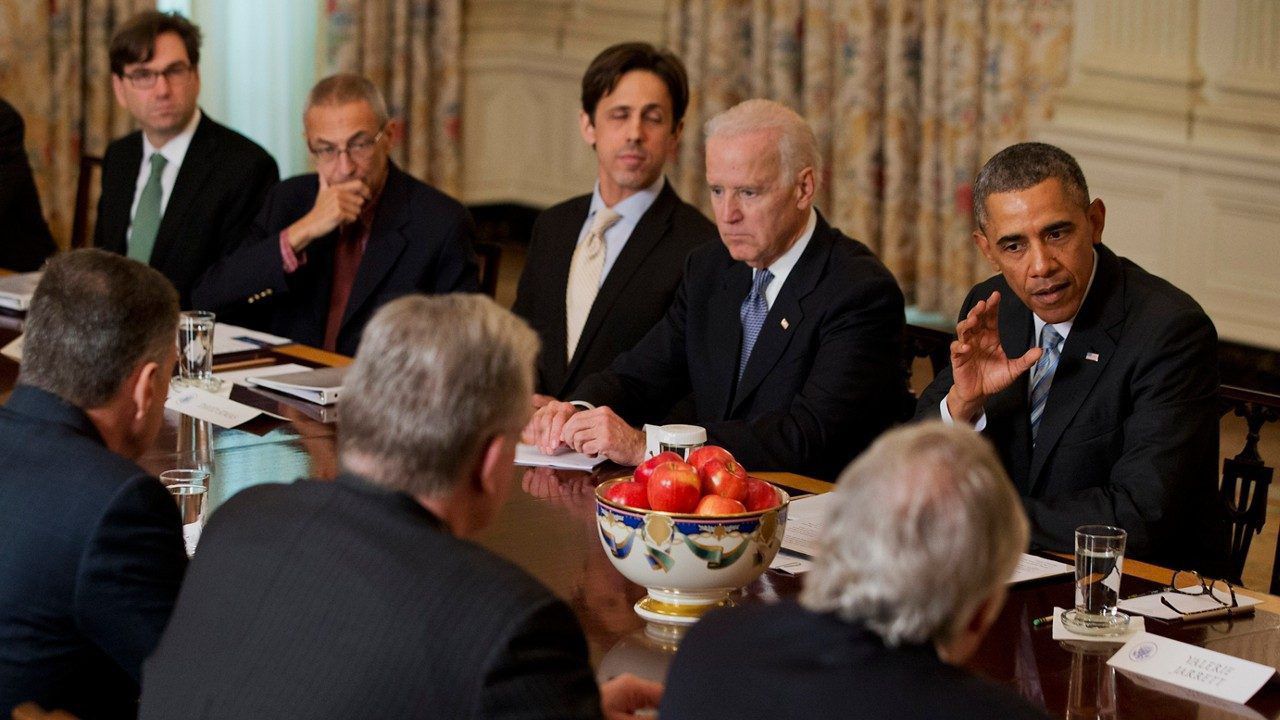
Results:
x,y
584,277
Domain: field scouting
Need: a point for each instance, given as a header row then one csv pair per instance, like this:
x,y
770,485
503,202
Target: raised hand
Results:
x,y
979,366
335,205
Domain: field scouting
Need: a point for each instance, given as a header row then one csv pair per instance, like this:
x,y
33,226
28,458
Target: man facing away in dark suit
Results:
x,y
91,549
787,332
603,268
888,614
329,248
1096,380
26,241
179,193
362,597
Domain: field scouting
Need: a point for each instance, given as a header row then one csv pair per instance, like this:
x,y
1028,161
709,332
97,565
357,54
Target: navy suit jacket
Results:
x,y
91,557
783,661
420,242
825,376
341,600
1129,435
25,241
635,295
221,185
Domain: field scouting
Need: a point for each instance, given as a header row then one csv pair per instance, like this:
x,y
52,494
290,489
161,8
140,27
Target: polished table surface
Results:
x,y
548,527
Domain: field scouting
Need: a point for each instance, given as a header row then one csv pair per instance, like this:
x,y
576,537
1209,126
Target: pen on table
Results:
x,y
254,341
1042,621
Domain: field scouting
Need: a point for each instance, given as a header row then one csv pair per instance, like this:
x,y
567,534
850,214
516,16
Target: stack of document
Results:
x,y
531,455
322,386
16,290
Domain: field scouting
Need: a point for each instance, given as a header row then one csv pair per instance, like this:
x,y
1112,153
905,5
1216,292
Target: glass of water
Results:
x,y
1099,564
195,351
190,489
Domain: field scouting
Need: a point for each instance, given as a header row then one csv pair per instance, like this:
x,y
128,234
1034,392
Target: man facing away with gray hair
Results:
x,y
91,550
922,536
361,597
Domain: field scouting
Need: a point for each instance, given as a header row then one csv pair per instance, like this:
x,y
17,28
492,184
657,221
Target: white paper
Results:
x,y
531,455
1033,567
790,564
805,519
238,377
218,410
233,338
1191,667
1151,606
13,350
16,290
1062,632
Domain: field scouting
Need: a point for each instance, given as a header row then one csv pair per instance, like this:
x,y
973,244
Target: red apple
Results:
x,y
760,495
719,505
629,494
726,479
644,470
705,454
674,487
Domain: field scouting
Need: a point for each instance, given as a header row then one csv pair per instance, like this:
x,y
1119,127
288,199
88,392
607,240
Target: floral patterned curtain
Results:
x,y
907,97
54,70
412,50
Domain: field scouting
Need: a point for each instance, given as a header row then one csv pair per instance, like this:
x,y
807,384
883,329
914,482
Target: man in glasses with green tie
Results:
x,y
331,247
181,191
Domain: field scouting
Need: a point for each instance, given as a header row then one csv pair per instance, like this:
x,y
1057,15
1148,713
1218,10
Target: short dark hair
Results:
x,y
1025,165
607,69
135,40
94,316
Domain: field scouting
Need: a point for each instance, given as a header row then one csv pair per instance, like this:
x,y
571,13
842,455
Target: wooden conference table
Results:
x,y
548,527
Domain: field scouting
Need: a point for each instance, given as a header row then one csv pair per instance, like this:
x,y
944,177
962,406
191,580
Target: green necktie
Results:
x,y
146,220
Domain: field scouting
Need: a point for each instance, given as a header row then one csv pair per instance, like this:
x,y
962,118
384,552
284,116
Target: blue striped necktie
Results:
x,y
753,311
1042,375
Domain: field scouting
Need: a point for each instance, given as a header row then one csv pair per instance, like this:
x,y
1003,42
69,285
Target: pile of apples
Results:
x,y
710,483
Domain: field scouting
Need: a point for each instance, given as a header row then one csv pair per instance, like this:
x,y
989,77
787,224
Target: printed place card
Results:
x,y
1194,668
202,405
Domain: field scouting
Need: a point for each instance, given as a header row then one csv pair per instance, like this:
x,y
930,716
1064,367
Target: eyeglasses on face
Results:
x,y
144,79
357,150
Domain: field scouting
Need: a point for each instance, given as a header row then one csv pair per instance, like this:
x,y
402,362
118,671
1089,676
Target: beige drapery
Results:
x,y
907,98
412,50
54,70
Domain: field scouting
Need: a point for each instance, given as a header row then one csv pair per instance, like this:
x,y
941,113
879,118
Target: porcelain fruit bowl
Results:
x,y
688,563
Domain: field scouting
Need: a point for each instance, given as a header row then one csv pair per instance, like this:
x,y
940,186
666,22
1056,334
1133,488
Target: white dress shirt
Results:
x,y
174,152
781,267
631,209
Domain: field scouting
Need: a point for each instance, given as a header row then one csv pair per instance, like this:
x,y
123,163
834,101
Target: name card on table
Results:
x,y
218,410
1194,668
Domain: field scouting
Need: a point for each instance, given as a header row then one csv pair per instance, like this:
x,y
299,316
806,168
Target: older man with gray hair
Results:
x,y
923,533
787,332
361,597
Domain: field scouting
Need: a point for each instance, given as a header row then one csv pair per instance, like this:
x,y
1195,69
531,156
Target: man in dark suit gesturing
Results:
x,y
329,248
179,193
361,597
602,268
91,549
1095,379
787,332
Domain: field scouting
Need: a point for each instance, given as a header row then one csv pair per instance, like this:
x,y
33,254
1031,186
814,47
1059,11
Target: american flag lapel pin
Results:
x,y
1091,357
785,325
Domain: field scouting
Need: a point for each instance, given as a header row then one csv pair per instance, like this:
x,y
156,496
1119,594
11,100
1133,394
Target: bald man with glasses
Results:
x,y
331,247
180,192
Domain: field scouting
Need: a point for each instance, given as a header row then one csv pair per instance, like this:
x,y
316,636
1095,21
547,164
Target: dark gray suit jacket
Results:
x,y
635,294
24,236
340,600
825,377
1129,435
220,187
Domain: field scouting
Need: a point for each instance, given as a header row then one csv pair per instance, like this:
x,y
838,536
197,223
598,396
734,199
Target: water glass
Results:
x,y
1099,565
190,489
195,351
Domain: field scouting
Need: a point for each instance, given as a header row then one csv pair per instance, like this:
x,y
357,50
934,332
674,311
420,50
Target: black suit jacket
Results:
x,y
1129,435
24,236
824,379
633,298
222,182
341,600
783,661
91,557
420,242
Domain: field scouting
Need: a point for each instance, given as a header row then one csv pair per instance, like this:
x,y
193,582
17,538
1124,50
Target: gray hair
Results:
x,y
94,317
434,379
1026,165
797,146
925,525
346,88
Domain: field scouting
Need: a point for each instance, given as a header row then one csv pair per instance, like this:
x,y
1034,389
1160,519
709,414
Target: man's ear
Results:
x,y
489,478
984,246
117,86
1097,213
587,127
394,131
142,382
806,186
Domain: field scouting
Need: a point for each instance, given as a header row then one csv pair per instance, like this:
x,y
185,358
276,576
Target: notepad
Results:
x,y
532,456
322,386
